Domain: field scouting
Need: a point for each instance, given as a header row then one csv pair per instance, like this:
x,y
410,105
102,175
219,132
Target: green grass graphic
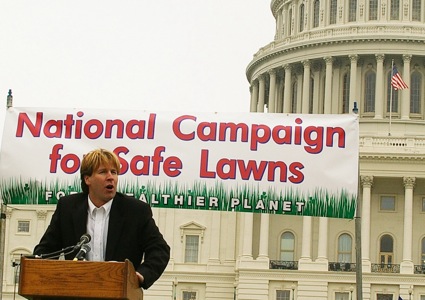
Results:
x,y
197,195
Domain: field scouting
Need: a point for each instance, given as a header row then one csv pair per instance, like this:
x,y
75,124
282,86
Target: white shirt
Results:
x,y
97,228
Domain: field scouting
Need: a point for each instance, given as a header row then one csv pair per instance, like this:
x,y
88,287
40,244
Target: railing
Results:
x,y
344,267
416,32
419,269
385,268
285,265
392,145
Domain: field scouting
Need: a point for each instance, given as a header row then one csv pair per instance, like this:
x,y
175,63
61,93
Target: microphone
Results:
x,y
85,238
82,253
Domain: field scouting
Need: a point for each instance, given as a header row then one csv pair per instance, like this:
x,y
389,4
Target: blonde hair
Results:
x,y
92,160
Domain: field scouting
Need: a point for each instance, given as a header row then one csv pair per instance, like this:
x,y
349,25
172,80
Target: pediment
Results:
x,y
192,226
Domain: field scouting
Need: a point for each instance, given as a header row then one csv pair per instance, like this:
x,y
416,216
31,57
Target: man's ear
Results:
x,y
86,179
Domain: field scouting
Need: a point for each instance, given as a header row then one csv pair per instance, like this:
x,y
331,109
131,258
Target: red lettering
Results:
x,y
297,176
144,170
55,157
151,126
124,163
210,135
224,163
98,129
172,166
330,136
203,172
53,129
315,145
34,129
262,139
251,168
177,130
110,124
286,139
273,166
70,163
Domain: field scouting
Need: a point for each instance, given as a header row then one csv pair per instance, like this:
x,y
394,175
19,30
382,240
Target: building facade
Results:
x,y
327,57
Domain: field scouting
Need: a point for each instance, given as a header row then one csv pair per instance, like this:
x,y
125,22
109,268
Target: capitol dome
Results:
x,y
328,55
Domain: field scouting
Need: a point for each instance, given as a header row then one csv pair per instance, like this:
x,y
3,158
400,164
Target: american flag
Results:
x,y
396,81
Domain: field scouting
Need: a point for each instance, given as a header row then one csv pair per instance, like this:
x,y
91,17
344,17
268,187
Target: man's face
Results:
x,y
102,184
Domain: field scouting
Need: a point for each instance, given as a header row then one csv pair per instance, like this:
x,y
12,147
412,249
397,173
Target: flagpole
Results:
x,y
358,229
391,97
3,218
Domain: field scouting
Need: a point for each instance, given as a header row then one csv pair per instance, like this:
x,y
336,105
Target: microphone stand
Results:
x,y
54,254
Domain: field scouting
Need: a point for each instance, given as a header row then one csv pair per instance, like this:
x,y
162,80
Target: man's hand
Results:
x,y
140,278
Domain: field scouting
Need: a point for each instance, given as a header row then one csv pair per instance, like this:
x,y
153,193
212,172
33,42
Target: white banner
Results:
x,y
251,162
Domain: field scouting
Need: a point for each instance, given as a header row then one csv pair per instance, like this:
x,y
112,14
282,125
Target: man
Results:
x,y
120,227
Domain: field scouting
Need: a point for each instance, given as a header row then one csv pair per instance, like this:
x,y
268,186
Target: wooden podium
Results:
x,y
67,279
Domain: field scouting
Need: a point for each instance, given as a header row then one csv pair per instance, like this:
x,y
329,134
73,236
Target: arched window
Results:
x,y
294,97
345,243
416,10
395,10
415,92
392,96
373,9
301,17
369,92
386,249
316,13
287,246
423,252
346,93
333,11
352,11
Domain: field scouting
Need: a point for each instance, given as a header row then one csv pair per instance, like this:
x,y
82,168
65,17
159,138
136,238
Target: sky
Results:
x,y
159,55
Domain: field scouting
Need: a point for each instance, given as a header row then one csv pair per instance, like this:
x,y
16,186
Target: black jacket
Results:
x,y
132,234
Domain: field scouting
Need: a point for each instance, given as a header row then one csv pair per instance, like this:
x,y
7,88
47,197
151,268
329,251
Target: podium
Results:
x,y
67,279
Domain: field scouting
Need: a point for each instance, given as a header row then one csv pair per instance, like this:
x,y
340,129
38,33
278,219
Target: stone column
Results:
x,y
353,80
248,225
405,94
328,85
254,96
366,182
336,87
214,257
406,266
306,87
272,91
287,89
380,101
322,250
168,231
261,93
299,92
317,108
305,259
263,253
279,101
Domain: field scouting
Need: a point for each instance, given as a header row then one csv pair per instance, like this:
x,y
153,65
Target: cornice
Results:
x,y
275,5
390,157
267,55
328,276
